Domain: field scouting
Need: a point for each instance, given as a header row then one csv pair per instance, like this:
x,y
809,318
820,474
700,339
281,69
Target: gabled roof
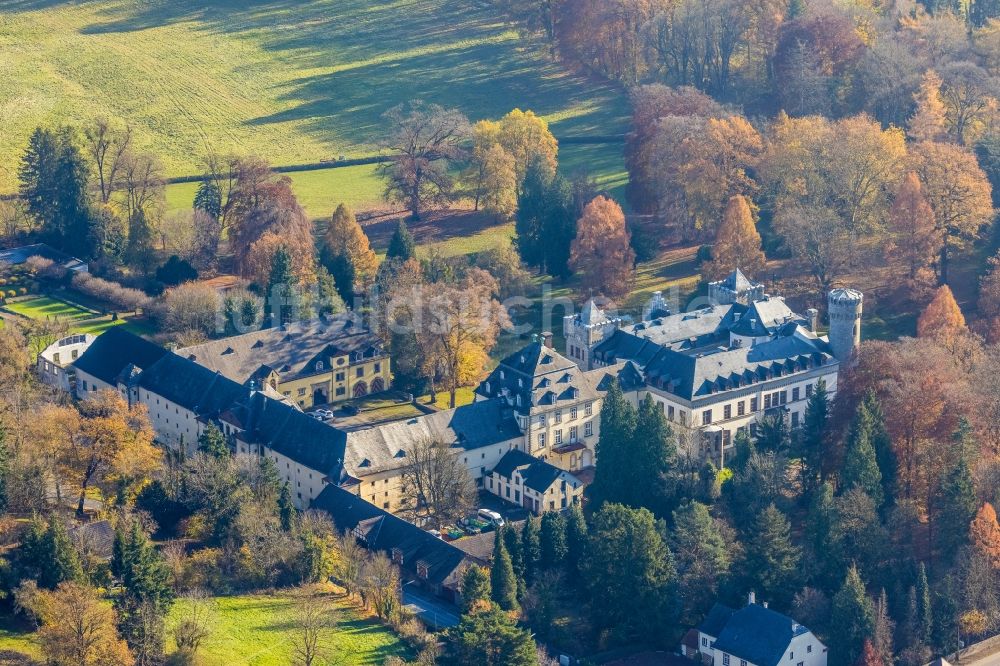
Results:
x,y
537,474
716,620
290,351
190,385
383,531
473,426
295,435
758,634
114,350
538,375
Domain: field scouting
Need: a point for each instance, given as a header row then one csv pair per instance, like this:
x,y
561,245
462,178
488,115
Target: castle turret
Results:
x,y
844,310
584,330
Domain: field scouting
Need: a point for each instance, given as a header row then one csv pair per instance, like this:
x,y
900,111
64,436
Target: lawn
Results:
x,y
319,192
81,320
294,82
43,307
258,630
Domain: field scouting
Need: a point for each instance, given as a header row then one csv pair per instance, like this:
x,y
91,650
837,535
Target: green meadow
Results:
x,y
295,82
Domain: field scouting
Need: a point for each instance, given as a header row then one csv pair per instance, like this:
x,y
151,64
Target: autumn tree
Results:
x,y
345,237
942,319
984,533
737,243
77,626
457,326
436,486
959,194
115,445
424,139
929,121
831,182
915,235
601,251
499,183
989,299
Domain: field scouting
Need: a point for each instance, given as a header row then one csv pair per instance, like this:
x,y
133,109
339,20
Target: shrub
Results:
x,y
124,298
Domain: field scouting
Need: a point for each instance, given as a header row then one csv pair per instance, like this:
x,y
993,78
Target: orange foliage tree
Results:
x,y
958,192
345,236
601,252
737,243
942,319
929,120
911,220
984,533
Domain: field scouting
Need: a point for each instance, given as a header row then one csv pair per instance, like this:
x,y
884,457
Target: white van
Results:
x,y
491,517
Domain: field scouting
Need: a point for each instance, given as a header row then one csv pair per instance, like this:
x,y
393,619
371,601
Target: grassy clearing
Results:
x,y
258,630
43,307
296,82
319,192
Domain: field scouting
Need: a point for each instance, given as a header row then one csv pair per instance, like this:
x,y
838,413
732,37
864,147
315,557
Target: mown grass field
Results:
x,y
259,630
79,319
293,81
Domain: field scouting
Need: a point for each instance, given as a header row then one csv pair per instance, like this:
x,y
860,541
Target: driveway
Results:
x,y
436,613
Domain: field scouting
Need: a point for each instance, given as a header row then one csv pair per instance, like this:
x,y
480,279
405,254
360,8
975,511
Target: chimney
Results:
x,y
751,598
812,314
765,604
547,339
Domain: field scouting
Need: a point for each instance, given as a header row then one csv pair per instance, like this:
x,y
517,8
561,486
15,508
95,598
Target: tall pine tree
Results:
x,y
613,480
503,582
281,289
812,441
860,466
401,245
531,550
852,620
772,562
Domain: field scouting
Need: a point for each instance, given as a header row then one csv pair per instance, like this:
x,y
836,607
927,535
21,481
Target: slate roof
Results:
x,y
473,426
19,255
704,362
114,350
759,635
541,376
382,531
716,620
282,427
537,474
190,385
290,351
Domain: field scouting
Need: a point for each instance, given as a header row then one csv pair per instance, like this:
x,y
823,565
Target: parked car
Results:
x,y
316,415
491,517
325,413
351,409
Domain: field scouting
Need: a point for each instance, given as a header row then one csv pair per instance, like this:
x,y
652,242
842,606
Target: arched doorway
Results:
x,y
360,390
586,459
378,385
320,397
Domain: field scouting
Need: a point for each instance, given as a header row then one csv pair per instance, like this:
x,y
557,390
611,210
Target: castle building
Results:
x,y
722,368
555,402
311,363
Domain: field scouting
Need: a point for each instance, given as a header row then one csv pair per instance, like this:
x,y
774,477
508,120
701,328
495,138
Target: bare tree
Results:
x,y
108,147
142,182
424,138
314,614
436,485
194,624
349,560
380,585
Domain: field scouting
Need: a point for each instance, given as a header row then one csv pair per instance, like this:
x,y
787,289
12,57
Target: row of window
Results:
x,y
574,412
588,431
775,399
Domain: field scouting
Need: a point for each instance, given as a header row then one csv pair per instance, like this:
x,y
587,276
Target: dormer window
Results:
x,y
423,571
397,556
319,366
501,374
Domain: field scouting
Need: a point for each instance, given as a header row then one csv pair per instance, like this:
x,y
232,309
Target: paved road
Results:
x,y
434,612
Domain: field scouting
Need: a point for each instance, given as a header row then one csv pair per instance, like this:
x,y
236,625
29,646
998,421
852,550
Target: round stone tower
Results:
x,y
844,309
